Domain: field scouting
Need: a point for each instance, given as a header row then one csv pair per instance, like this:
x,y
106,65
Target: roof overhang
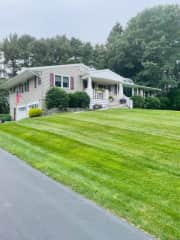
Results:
x,y
141,87
103,76
21,78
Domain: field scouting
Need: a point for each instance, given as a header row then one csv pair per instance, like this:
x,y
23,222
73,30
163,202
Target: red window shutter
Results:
x,y
51,79
72,83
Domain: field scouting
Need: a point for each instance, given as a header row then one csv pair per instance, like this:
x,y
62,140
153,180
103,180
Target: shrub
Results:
x,y
174,98
164,102
5,118
4,105
73,100
79,99
57,98
152,103
138,101
83,99
35,112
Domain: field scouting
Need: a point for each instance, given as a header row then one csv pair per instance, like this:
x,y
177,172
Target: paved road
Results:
x,y
34,207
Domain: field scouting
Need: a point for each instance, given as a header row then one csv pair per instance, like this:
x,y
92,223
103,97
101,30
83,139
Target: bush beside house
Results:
x,y
58,98
148,103
35,112
138,101
152,103
4,105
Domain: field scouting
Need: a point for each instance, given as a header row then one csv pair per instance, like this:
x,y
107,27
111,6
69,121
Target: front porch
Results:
x,y
105,92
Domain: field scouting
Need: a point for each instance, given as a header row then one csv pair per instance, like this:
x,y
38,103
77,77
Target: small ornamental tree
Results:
x,y
57,98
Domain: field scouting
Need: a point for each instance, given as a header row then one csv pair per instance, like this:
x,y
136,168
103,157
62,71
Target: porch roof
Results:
x,y
133,85
105,75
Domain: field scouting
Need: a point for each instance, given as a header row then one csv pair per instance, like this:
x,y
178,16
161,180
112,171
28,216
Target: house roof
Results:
x,y
104,75
22,77
56,66
28,73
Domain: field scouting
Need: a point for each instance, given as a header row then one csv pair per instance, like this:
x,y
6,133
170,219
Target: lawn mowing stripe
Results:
x,y
107,170
106,144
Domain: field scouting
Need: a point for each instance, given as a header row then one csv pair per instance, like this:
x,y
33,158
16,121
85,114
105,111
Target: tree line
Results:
x,y
146,50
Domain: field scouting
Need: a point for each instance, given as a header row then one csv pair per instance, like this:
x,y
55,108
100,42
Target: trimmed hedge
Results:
x,y
57,98
79,100
138,101
5,118
35,112
152,103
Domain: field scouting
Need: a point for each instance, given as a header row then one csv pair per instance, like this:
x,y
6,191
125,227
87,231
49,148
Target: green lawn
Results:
x,y
127,161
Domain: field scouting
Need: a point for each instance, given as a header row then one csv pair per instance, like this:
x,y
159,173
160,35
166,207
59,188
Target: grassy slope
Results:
x,y
127,161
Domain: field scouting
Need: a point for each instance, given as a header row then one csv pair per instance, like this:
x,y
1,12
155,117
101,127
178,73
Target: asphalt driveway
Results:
x,y
34,207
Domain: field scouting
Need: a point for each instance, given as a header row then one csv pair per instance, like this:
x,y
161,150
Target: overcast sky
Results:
x,y
89,20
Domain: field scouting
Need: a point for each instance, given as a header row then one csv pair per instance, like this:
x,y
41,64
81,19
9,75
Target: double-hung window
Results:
x,y
65,82
58,79
62,81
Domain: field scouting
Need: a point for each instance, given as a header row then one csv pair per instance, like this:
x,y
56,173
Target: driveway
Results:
x,y
34,207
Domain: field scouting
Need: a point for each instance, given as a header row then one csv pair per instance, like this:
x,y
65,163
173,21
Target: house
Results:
x,y
3,67
104,87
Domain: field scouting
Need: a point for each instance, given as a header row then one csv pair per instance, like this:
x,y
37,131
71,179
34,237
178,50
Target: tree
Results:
x,y
149,46
25,54
100,56
12,52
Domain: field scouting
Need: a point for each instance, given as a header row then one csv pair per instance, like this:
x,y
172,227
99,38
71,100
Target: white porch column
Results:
x,y
89,91
89,87
132,92
121,93
141,93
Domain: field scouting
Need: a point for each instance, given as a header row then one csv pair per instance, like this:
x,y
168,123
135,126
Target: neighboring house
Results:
x,y
104,87
3,66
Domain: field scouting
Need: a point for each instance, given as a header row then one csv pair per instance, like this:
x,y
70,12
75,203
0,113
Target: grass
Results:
x,y
127,161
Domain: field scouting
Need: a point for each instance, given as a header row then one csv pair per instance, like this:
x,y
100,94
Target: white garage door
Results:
x,y
21,113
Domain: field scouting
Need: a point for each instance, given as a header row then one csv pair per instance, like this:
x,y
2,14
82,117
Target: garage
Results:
x,y
21,112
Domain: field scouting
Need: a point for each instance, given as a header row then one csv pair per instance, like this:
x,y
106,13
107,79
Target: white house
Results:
x,y
104,87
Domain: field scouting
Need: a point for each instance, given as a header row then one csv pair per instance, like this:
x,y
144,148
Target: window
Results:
x,y
62,81
39,81
35,82
57,81
27,86
65,82
35,105
22,109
